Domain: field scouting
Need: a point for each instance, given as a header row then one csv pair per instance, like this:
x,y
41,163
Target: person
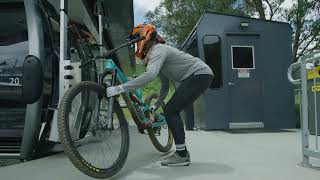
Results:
x,y
170,64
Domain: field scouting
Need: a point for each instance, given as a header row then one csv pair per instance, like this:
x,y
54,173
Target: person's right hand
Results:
x,y
114,90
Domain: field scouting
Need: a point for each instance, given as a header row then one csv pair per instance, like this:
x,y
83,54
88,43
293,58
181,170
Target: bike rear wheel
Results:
x,y
161,137
97,151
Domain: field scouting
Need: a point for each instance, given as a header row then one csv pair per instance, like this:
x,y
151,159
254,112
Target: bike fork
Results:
x,y
111,102
97,113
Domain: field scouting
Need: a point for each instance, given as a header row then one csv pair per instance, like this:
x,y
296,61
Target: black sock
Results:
x,y
182,153
181,149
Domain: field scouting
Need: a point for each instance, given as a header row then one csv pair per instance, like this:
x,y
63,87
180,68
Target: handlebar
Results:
x,y
112,51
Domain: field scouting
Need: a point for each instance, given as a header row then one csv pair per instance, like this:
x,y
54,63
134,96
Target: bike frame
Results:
x,y
133,100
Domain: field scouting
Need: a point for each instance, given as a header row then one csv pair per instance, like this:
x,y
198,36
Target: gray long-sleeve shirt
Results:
x,y
171,64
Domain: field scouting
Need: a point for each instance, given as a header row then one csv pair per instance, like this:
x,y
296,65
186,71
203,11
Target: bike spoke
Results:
x,y
102,149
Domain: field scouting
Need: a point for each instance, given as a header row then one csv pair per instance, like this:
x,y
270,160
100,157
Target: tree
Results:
x,y
255,5
176,18
306,26
303,17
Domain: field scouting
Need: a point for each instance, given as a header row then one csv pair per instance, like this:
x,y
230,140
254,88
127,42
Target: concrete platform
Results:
x,y
214,155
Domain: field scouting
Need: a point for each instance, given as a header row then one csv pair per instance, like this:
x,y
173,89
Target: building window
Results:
x,y
212,54
193,48
14,47
242,57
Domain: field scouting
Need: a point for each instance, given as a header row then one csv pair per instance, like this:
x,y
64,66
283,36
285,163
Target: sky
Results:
x,y
141,7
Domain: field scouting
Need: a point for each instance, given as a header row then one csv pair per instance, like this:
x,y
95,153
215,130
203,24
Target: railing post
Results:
x,y
304,108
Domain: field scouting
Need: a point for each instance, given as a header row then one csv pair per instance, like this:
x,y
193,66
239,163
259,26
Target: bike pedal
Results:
x,y
141,130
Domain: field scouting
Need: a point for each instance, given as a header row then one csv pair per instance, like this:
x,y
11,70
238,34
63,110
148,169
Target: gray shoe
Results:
x,y
171,154
176,160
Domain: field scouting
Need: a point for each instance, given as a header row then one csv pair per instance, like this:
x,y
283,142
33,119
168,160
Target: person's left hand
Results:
x,y
114,90
153,108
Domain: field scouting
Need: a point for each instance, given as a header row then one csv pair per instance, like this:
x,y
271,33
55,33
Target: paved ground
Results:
x,y
214,155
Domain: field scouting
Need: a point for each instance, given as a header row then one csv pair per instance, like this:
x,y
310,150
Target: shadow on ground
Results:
x,y
155,171
8,162
256,131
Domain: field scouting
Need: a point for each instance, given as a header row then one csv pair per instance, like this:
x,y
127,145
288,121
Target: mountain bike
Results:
x,y
93,128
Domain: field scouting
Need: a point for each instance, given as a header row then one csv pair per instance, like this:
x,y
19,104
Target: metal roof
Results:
x,y
246,17
194,30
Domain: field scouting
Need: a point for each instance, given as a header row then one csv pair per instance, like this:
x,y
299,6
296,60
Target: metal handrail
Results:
x,y
291,68
311,55
313,58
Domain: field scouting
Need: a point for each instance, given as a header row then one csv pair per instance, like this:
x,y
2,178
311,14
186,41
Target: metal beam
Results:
x,y
33,111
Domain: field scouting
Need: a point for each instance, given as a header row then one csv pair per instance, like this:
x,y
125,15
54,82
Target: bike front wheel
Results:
x,y
95,149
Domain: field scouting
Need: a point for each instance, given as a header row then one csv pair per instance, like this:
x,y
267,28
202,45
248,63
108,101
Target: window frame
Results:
x,y
221,59
194,39
253,56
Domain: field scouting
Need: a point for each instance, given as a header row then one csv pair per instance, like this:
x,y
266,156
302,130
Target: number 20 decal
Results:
x,y
14,81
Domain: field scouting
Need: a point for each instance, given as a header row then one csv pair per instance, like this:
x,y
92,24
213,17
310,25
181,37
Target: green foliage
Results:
x,y
152,87
297,108
176,18
303,17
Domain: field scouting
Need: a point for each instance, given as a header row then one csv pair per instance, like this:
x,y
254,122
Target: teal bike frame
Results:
x,y
133,100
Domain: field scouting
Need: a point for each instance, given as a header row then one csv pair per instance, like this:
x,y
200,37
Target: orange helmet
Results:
x,y
150,35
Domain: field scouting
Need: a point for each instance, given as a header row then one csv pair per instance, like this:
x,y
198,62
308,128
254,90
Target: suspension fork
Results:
x,y
109,123
96,114
111,101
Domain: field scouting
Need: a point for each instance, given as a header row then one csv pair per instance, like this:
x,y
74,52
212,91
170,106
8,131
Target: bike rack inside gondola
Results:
x,y
30,87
